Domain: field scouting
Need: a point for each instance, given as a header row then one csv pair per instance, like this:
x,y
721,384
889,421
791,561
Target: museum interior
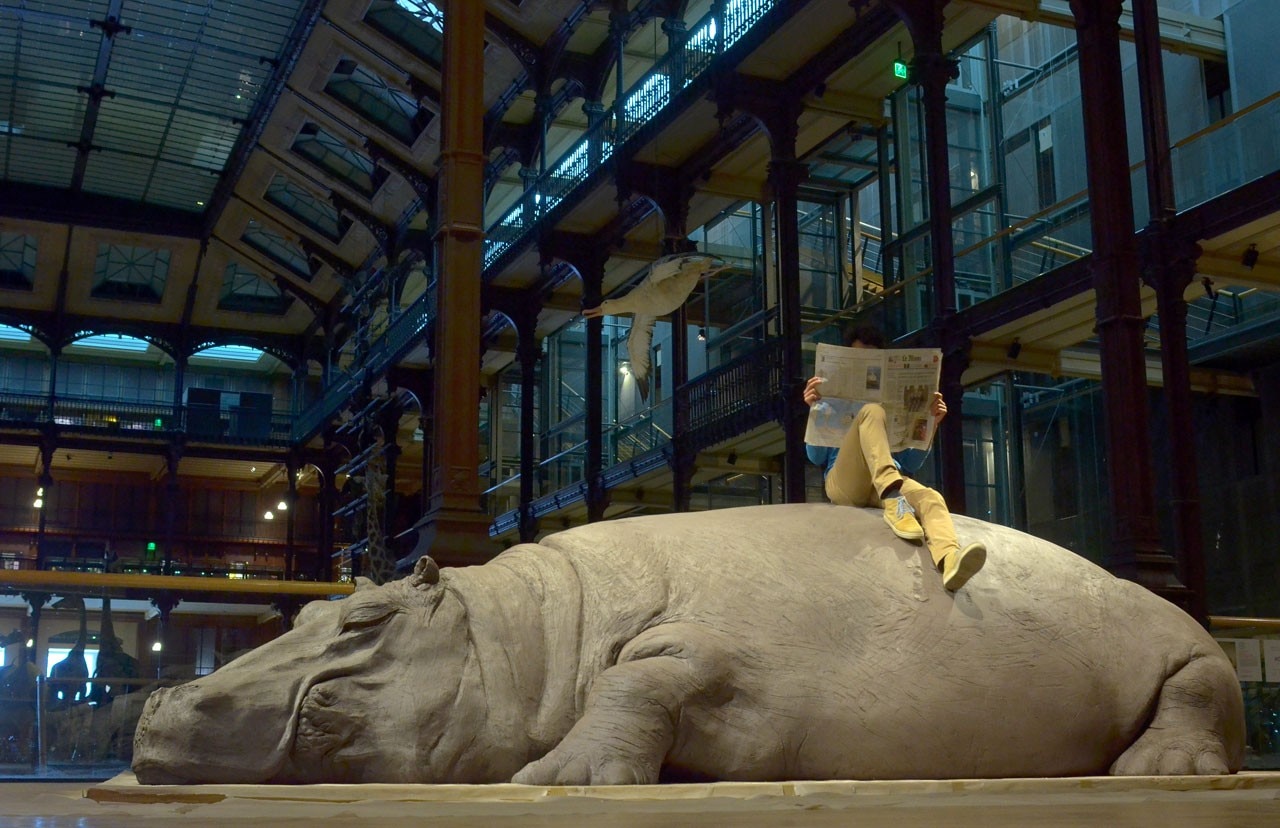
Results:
x,y
382,220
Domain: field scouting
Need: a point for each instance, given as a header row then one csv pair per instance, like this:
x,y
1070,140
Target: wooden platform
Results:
x,y
1247,800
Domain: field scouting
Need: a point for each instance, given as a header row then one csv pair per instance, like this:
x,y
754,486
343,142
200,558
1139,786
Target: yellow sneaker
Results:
x,y
959,567
902,519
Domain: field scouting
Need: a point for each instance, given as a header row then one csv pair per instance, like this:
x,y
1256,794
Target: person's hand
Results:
x,y
938,409
811,392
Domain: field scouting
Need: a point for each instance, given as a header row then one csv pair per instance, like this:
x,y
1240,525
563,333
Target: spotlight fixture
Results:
x,y
38,503
31,642
1249,257
702,334
156,646
1015,348
268,515
282,506
625,369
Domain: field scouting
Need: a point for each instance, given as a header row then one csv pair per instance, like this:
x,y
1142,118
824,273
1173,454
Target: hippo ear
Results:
x,y
363,583
426,573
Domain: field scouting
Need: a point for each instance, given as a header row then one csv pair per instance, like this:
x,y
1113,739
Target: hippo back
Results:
x,y
846,631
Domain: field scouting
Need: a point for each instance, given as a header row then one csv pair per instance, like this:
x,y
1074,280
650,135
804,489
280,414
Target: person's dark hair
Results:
x,y
867,335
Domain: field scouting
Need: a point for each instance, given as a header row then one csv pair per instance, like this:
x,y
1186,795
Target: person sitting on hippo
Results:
x,y
863,471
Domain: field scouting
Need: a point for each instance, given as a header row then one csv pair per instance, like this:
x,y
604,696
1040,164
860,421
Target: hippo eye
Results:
x,y
361,618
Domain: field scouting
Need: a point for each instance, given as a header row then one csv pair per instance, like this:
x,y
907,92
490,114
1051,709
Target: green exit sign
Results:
x,y
899,69
151,546
159,422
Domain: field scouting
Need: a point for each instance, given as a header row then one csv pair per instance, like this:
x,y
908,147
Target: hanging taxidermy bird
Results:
x,y
666,287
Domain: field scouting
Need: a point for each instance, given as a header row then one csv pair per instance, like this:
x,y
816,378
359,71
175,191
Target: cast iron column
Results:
x,y
462,527
1135,549
48,445
1169,268
327,499
932,70
684,455
528,353
173,457
591,267
292,464
785,176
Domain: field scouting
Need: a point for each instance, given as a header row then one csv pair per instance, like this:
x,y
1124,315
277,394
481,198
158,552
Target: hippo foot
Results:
x,y
565,766
1173,753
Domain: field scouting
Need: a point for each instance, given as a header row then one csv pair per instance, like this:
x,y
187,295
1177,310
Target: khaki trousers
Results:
x,y
864,468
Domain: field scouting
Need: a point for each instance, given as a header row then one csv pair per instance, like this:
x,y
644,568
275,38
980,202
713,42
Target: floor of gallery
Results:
x,y
1246,800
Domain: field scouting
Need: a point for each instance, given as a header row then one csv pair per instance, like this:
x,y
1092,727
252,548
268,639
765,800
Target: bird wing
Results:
x,y
665,268
638,345
668,285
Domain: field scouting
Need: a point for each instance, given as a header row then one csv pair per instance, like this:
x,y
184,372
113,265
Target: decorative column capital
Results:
x,y
1090,13
928,68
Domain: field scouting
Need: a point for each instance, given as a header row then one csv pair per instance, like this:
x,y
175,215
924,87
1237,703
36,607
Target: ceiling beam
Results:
x,y
1229,271
987,359
1180,32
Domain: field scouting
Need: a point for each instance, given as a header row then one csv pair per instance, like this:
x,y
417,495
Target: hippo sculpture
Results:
x,y
760,643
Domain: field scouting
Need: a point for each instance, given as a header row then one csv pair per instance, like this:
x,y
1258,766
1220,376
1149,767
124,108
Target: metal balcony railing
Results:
x,y
707,40
106,418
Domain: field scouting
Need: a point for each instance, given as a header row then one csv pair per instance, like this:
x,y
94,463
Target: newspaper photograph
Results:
x,y
902,380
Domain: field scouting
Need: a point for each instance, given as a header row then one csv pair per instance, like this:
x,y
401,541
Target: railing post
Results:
x,y
677,33
42,728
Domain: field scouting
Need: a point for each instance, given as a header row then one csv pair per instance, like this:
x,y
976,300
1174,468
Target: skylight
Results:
x,y
130,272
112,342
230,353
330,154
246,291
427,12
306,207
11,334
17,260
277,248
416,26
369,95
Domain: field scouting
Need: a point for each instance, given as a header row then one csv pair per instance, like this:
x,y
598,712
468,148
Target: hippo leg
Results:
x,y
1198,726
629,721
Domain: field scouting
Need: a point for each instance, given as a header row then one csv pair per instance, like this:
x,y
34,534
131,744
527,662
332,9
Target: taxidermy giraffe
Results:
x,y
113,661
75,665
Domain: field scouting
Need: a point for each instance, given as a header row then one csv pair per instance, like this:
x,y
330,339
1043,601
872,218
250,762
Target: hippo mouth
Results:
x,y
324,731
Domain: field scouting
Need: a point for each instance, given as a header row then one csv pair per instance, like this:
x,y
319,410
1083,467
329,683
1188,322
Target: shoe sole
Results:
x,y
902,533
971,561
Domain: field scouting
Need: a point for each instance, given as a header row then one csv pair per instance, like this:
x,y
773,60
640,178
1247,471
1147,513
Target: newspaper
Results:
x,y
903,380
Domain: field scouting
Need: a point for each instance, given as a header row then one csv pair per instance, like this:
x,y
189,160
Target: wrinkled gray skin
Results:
x,y
763,643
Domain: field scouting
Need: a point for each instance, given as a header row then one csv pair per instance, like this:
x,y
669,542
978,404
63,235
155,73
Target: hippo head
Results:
x,y
376,686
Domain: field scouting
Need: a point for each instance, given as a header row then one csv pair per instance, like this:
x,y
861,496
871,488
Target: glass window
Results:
x,y
230,353
57,654
9,333
111,342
